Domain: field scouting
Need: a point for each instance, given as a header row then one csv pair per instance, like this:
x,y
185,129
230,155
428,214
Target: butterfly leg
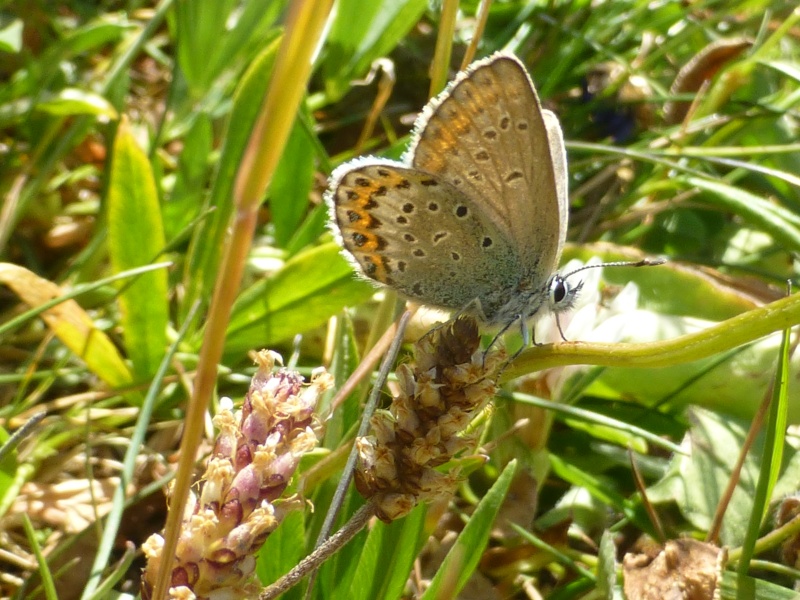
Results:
x,y
529,333
525,338
561,331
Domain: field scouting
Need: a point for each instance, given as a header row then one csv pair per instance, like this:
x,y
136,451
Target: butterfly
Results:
x,y
473,218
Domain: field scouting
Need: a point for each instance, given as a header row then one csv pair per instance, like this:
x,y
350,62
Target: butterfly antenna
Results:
x,y
645,262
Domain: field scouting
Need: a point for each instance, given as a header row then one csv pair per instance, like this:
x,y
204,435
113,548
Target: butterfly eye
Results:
x,y
562,294
558,290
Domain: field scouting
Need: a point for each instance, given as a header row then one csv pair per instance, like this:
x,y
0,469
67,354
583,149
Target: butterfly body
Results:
x,y
474,217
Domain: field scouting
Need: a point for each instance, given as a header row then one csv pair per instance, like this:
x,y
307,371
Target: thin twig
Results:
x,y
21,433
369,410
313,561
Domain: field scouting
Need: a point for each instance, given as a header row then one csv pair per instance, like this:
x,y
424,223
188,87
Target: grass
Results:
x,y
162,169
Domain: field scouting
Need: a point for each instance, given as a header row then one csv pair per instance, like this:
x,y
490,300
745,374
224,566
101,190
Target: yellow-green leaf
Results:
x,y
71,325
135,238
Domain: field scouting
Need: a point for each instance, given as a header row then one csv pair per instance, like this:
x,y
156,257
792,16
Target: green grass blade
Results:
x,y
779,223
129,463
599,488
363,32
739,587
44,569
772,458
205,250
466,552
283,549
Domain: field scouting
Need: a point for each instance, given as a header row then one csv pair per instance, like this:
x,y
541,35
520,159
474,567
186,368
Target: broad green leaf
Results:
x,y
336,573
200,28
191,180
733,382
283,549
213,36
309,289
309,231
738,587
688,493
91,36
607,568
135,238
701,296
697,479
291,185
395,544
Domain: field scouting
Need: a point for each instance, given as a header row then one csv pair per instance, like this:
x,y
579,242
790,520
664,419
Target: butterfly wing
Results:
x,y
488,136
421,236
558,154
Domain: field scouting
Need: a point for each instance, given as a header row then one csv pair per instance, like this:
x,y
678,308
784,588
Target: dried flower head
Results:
x,y
255,454
685,568
423,427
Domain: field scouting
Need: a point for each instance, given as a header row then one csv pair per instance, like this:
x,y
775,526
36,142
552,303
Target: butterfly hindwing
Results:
x,y
445,239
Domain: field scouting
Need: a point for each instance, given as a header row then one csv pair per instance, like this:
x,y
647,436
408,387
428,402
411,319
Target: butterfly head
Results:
x,y
562,294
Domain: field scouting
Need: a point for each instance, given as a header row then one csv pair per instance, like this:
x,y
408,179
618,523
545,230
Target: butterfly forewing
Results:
x,y
486,134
